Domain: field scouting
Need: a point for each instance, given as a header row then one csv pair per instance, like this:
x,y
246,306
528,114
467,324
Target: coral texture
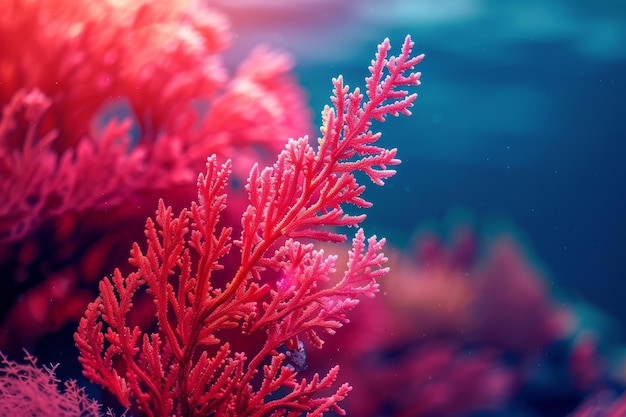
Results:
x,y
28,390
186,366
156,62
107,107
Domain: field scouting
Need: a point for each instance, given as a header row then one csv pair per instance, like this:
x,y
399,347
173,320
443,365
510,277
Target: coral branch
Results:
x,y
186,366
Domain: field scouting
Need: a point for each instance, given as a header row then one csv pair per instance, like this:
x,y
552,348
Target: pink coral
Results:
x,y
513,306
28,390
108,106
187,366
602,404
161,58
459,329
499,299
437,378
158,56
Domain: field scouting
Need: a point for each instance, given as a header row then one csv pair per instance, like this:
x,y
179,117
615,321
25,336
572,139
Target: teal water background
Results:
x,y
520,119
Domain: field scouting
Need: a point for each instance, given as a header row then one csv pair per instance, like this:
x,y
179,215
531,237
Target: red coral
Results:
x,y
158,56
76,182
187,366
162,59
36,182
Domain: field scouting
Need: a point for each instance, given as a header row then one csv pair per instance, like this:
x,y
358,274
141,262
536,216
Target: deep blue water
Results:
x,y
520,119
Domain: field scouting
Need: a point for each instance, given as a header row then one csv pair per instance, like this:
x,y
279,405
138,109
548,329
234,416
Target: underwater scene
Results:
x,y
408,208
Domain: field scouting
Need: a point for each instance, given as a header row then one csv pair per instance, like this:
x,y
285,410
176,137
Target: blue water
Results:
x,y
520,118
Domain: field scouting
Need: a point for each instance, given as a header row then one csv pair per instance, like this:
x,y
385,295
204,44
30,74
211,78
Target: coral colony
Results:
x,y
186,366
106,107
234,304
